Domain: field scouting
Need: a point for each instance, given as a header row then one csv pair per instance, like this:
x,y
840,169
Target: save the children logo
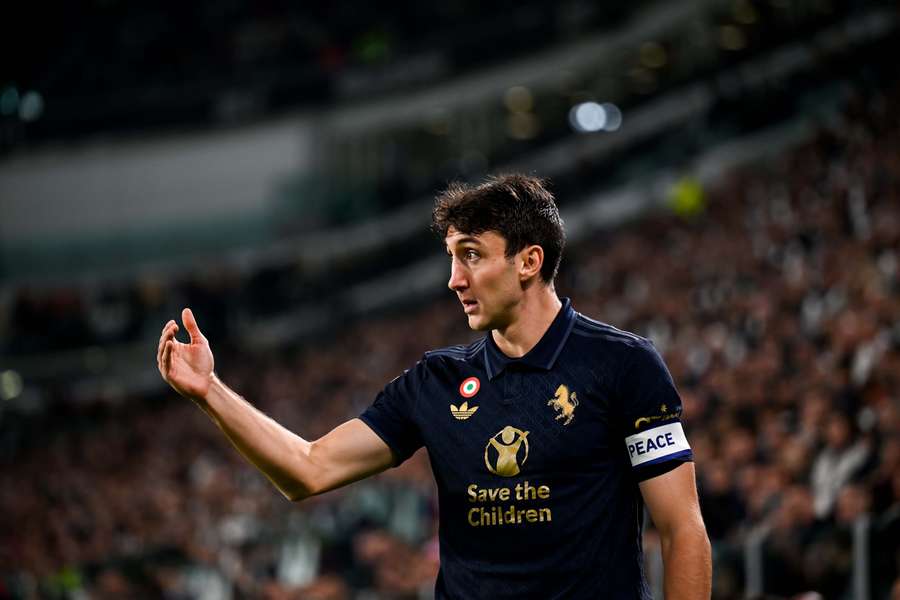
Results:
x,y
520,503
506,452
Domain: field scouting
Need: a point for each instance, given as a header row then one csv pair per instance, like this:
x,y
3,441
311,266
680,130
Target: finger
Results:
x,y
168,331
190,323
166,328
167,356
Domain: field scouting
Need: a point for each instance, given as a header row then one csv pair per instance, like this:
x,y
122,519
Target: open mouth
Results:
x,y
469,305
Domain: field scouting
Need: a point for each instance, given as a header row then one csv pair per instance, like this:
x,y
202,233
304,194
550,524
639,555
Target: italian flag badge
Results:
x,y
469,387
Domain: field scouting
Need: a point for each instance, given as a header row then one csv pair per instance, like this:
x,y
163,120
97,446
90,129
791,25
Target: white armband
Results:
x,y
657,444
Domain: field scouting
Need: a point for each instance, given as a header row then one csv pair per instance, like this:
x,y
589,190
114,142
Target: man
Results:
x,y
546,437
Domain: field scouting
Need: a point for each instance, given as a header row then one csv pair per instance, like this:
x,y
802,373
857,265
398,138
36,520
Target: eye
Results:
x,y
470,254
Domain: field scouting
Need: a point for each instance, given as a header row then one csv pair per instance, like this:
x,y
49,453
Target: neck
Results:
x,y
531,320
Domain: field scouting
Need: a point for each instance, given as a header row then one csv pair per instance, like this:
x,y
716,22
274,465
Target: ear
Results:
x,y
532,258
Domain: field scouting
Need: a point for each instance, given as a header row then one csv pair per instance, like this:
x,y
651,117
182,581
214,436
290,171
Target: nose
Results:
x,y
458,281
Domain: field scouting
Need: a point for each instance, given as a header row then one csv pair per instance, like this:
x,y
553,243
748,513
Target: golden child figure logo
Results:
x,y
564,403
502,451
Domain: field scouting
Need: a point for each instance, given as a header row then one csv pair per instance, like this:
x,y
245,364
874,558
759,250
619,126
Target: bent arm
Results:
x,y
672,501
298,468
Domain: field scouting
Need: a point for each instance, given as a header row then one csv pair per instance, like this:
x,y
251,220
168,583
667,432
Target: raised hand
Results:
x,y
187,368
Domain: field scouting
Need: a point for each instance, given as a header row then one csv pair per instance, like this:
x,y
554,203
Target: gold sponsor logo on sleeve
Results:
x,y
664,415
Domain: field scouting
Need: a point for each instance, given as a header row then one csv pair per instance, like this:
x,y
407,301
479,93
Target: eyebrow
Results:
x,y
466,239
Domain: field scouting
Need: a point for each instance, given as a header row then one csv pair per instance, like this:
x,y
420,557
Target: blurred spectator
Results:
x,y
837,463
776,308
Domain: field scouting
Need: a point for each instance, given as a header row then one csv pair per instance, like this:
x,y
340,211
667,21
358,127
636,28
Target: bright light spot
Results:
x,y
587,116
10,385
590,116
518,99
686,198
31,107
9,101
613,117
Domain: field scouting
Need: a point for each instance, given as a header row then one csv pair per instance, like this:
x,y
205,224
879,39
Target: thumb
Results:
x,y
190,323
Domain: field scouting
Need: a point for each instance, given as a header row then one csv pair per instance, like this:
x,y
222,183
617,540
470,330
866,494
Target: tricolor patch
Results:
x,y
469,387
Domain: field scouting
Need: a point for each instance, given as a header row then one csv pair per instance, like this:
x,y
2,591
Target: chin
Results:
x,y
476,323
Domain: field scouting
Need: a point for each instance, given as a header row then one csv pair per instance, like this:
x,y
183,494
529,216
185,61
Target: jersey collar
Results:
x,y
543,355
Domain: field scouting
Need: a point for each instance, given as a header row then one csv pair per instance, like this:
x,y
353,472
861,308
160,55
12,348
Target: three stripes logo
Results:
x,y
467,389
462,412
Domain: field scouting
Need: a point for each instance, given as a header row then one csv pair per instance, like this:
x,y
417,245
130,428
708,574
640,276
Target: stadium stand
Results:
x,y
786,347
787,351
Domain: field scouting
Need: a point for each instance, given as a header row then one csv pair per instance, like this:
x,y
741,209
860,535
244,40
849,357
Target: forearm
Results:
x,y
284,457
687,562
298,468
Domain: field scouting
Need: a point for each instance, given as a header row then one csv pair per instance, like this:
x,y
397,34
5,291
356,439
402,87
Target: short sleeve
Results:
x,y
650,414
392,415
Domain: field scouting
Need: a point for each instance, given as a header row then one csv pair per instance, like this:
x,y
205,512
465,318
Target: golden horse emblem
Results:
x,y
564,403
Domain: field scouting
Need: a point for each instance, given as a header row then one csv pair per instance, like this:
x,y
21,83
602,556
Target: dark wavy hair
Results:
x,y
518,207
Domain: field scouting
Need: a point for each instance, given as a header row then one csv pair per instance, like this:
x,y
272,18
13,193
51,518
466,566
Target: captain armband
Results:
x,y
657,444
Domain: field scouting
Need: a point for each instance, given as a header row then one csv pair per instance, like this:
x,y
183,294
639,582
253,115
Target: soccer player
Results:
x,y
546,437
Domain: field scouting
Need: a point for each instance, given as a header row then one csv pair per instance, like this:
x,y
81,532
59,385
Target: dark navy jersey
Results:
x,y
537,459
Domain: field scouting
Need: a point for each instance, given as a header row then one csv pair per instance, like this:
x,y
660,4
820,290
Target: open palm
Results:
x,y
186,367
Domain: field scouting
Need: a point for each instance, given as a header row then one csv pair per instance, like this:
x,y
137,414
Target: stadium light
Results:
x,y
519,99
589,117
31,107
10,385
613,116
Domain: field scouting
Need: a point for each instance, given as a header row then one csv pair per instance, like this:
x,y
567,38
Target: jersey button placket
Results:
x,y
512,386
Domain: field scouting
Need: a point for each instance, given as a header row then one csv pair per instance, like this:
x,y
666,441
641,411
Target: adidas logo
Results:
x,y
462,412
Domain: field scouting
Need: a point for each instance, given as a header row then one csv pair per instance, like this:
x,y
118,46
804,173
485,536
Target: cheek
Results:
x,y
497,281
505,287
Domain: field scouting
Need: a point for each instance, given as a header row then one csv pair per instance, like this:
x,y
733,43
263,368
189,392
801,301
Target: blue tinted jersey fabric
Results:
x,y
537,459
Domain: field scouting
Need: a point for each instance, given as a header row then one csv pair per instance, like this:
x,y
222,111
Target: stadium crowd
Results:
x,y
776,309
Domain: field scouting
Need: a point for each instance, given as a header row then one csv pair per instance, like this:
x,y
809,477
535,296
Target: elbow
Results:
x,y
294,494
306,482
687,536
701,538
298,492
703,545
